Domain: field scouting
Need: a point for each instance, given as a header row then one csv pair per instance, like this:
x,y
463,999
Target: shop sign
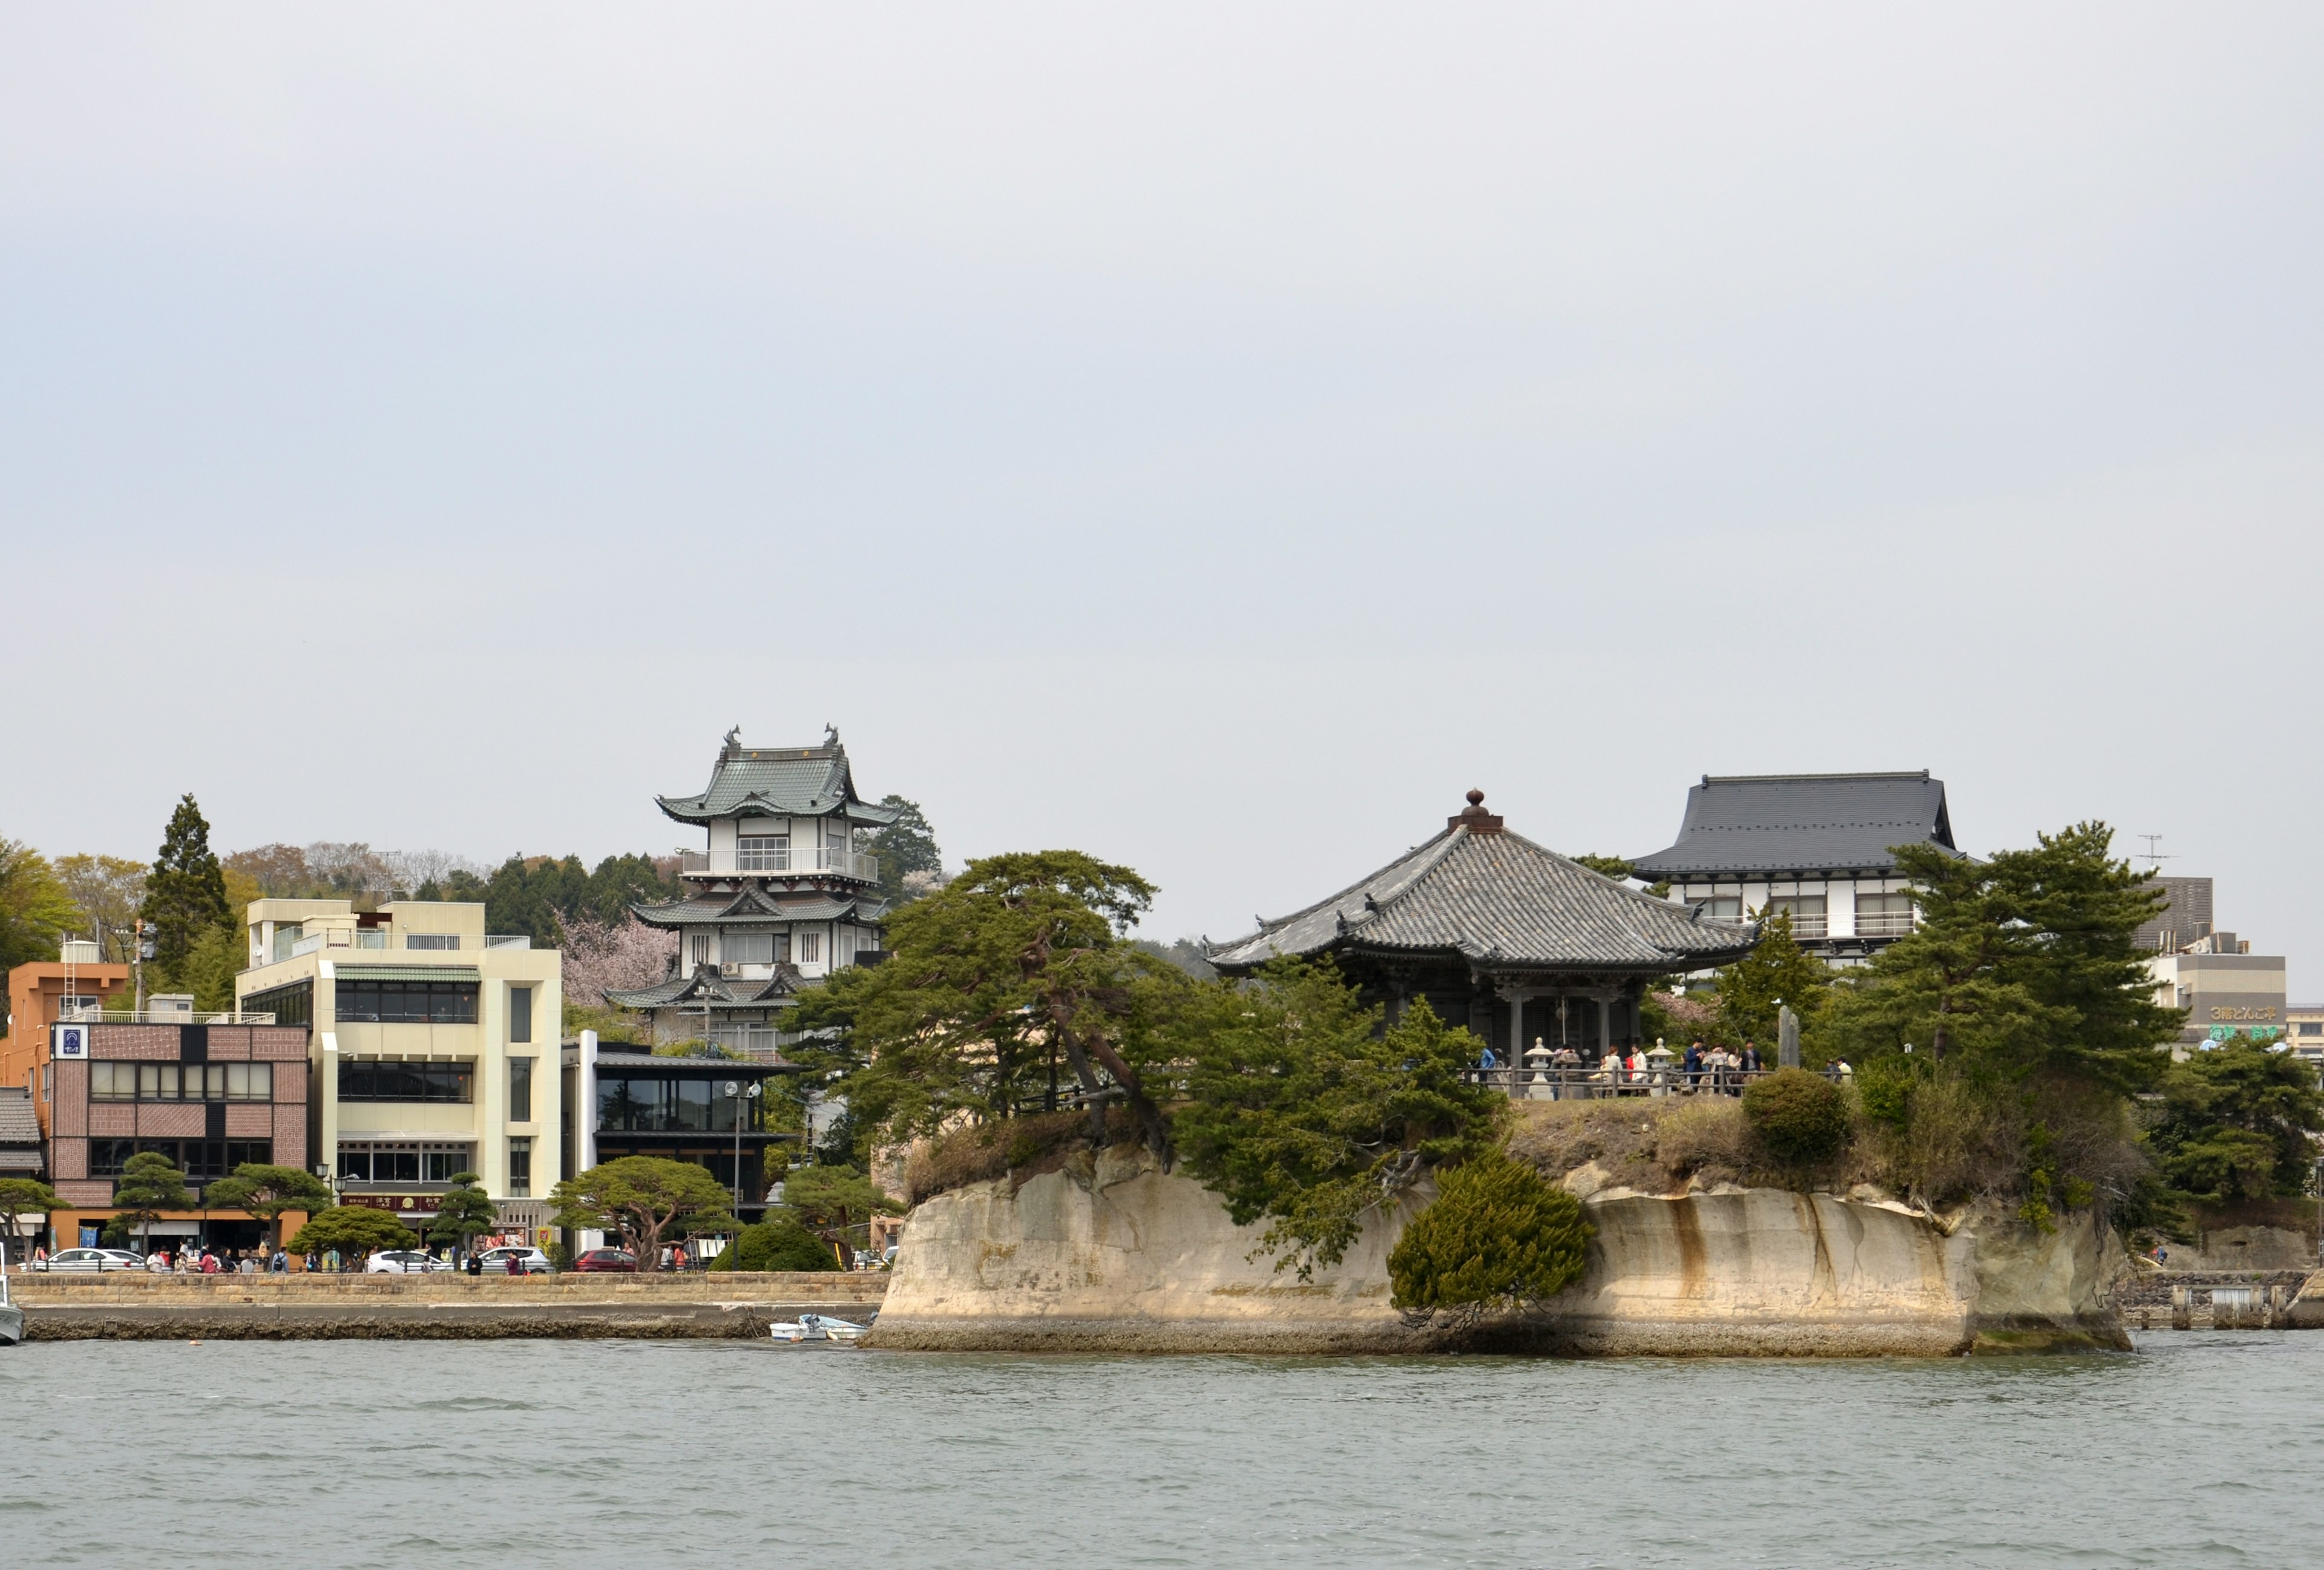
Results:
x,y
414,1204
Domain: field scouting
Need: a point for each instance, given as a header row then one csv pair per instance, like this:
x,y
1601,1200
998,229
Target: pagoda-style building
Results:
x,y
780,896
1512,940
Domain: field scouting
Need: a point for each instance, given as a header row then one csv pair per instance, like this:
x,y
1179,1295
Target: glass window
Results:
x,y
693,1104
747,947
113,1082
291,1005
1883,915
519,1173
362,1079
762,853
520,1013
107,1158
697,948
810,948
1719,907
416,1002
249,1081
519,1090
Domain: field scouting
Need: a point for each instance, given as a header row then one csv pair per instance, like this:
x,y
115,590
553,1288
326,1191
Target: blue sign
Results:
x,y
71,1041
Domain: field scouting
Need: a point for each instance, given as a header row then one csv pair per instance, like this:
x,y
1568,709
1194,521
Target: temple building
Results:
x,y
1815,848
1512,940
781,894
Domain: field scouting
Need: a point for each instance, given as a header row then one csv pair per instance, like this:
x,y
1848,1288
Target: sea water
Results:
x,y
2199,1449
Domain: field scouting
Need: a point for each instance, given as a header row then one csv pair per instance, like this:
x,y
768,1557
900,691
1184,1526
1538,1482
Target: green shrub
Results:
x,y
1800,1117
776,1245
1498,1232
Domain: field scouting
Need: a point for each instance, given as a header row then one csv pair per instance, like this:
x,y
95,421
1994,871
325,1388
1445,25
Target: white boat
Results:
x,y
11,1318
816,1328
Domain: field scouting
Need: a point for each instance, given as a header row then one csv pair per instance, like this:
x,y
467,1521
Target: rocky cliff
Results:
x,y
1113,1254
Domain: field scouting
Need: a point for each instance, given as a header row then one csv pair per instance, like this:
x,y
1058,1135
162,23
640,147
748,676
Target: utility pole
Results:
x,y
147,938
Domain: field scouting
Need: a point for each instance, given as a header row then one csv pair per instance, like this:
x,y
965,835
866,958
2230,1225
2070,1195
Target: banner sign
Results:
x,y
68,1041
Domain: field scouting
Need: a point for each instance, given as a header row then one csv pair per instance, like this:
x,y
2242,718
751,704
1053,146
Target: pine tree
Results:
x,y
1777,974
185,893
905,848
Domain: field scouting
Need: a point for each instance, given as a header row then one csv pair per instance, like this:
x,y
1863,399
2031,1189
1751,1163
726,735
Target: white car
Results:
x,y
94,1260
402,1262
510,1259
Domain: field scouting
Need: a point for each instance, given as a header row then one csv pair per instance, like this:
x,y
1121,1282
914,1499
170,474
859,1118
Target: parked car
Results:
x,y
511,1260
402,1262
95,1259
607,1260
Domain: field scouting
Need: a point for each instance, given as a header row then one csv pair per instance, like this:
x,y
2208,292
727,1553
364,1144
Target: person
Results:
x,y
475,1264
40,1256
280,1263
1750,1064
247,1265
1486,1061
1691,1066
331,1261
314,1261
677,1259
209,1262
1637,1063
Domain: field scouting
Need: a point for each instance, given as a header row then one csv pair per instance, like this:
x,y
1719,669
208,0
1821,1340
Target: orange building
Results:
x,y
38,996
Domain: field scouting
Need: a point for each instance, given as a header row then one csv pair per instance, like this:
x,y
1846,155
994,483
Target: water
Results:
x,y
2205,1449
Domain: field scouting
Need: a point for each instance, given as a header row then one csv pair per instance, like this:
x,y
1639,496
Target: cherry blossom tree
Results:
x,y
607,955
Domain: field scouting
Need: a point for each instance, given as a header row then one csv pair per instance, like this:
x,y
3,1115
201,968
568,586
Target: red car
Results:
x,y
607,1260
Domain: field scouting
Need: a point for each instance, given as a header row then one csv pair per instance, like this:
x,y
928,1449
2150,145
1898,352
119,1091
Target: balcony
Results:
x,y
1807,927
376,938
846,864
1883,923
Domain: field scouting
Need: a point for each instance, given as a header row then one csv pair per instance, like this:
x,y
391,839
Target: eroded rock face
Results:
x,y
1115,1255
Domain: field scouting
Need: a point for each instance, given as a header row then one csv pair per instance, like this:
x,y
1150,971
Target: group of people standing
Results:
x,y
207,1261
1719,1068
1722,1070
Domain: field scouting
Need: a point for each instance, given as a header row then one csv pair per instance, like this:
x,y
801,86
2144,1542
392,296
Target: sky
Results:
x,y
1211,437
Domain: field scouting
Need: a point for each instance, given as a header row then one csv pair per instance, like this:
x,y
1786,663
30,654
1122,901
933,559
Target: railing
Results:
x,y
375,938
1595,1084
1883,923
103,1016
805,859
1811,927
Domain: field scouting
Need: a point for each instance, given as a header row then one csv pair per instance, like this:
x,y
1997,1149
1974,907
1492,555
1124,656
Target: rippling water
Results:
x,y
2204,1449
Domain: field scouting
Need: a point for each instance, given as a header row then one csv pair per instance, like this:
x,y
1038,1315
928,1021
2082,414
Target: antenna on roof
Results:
x,y
2152,854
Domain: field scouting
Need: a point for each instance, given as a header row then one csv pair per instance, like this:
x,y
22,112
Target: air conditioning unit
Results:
x,y
730,971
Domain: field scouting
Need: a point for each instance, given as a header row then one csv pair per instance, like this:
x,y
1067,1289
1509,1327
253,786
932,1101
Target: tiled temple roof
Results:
x,y
1793,824
777,782
706,986
755,907
1502,903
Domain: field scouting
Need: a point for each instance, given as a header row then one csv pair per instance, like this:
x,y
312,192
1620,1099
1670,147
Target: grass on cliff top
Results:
x,y
1020,1147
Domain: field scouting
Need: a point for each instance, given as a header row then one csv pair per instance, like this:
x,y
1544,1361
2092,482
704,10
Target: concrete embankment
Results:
x,y
1113,1254
133,1306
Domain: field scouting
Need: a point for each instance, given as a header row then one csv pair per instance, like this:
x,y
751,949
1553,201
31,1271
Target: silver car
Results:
x,y
94,1260
402,1262
511,1260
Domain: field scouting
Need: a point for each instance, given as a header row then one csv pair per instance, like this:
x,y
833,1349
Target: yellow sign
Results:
x,y
2242,1013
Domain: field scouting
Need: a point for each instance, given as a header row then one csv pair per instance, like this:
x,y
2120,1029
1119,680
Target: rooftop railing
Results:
x,y
102,1016
804,859
379,938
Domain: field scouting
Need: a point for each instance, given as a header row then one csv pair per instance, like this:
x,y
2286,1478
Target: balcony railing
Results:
x,y
1811,927
103,1016
376,938
1883,923
805,859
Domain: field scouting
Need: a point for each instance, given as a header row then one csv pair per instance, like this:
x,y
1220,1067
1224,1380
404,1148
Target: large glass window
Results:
x,y
631,1103
404,1161
1719,907
201,1160
762,853
371,1080
1807,912
519,1090
406,1003
291,1005
113,1082
520,1176
520,1013
1883,915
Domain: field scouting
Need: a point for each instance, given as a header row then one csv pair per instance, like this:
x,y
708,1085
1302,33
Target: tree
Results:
x,y
829,1200
185,893
616,955
150,1183
355,1231
35,911
648,1200
19,1197
2239,1122
906,849
1775,972
107,891
1296,1107
463,1212
1498,1234
267,1192
1010,974
210,965
777,1245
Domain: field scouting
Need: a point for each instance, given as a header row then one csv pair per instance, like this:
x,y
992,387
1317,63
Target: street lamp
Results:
x,y
742,1096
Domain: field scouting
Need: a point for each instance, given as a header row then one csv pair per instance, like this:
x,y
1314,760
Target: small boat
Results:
x,y
816,1328
11,1318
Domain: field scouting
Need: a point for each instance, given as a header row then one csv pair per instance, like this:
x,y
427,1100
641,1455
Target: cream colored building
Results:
x,y
433,1045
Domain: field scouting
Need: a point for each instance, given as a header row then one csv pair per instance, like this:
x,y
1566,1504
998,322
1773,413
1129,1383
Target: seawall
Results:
x,y
1111,1254
129,1306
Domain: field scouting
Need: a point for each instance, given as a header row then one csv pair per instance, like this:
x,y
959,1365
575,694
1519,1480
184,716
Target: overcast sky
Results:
x,y
1214,438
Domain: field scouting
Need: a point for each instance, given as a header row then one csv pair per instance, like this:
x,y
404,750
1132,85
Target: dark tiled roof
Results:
x,y
22,1159
1801,823
1498,901
755,907
776,782
20,1122
706,985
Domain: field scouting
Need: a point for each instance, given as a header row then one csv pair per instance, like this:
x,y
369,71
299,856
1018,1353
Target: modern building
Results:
x,y
781,895
2304,1028
429,1041
43,991
1817,847
710,1111
2184,921
210,1094
1503,936
2227,990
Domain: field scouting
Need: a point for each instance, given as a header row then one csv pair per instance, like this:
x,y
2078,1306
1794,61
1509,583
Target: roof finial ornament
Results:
x,y
1476,799
733,745
1474,817
830,735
